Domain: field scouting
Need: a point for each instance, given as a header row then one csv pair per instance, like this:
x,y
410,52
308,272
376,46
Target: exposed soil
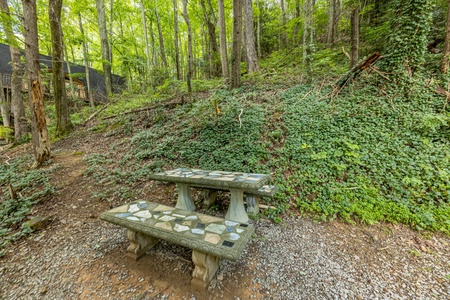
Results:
x,y
78,256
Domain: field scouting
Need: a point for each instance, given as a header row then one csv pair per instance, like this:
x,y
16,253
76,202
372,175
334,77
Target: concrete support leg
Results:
x,y
209,198
236,210
139,244
252,204
184,197
206,266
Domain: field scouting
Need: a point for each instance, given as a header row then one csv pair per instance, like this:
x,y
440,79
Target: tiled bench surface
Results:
x,y
211,238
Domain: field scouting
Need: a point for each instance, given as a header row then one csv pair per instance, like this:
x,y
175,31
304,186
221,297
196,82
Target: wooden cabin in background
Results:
x,y
78,72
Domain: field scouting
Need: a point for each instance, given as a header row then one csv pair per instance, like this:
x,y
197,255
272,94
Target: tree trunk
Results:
x,y
176,34
86,63
161,41
111,40
284,21
5,108
258,30
223,39
105,47
147,47
213,54
235,80
69,73
63,123
252,57
308,37
20,122
41,144
355,38
446,53
188,24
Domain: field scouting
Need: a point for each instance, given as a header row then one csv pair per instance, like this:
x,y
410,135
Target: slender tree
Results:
x,y
176,34
223,39
252,56
188,24
63,123
5,108
105,46
161,40
20,121
41,143
147,46
213,54
235,80
355,37
86,61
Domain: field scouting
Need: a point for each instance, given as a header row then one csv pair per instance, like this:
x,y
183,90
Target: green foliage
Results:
x,y
6,133
365,158
31,186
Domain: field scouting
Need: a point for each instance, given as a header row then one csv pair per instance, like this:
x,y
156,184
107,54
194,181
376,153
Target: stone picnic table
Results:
x,y
235,182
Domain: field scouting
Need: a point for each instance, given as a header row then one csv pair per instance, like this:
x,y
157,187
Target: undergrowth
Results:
x,y
30,186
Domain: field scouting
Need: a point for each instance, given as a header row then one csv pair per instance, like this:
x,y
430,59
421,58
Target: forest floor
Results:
x,y
78,256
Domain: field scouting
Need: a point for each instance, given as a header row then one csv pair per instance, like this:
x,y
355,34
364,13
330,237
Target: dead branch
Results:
x,y
94,114
12,192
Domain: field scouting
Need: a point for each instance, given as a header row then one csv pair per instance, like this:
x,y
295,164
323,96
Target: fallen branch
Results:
x,y
94,114
353,73
144,109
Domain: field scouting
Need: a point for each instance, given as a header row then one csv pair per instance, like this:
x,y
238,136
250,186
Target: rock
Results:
x,y
38,223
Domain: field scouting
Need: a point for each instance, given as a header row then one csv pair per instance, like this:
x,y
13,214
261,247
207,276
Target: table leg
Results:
x,y
184,197
236,210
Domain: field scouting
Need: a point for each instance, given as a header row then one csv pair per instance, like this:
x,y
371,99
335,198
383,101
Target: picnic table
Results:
x,y
236,182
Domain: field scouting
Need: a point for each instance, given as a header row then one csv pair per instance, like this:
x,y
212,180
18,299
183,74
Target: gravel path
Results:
x,y
297,259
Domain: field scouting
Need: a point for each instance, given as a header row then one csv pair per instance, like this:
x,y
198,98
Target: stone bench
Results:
x,y
252,196
210,238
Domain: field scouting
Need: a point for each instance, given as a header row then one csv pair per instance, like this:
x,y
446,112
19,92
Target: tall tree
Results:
x,y
355,37
445,63
223,39
235,80
147,46
188,24
20,121
213,55
63,123
86,61
252,56
308,37
5,107
161,40
176,34
41,143
407,44
333,20
105,46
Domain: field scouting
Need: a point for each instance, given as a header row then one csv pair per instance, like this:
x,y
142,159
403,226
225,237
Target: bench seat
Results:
x,y
211,238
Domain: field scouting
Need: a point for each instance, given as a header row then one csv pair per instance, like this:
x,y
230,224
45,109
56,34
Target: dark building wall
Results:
x,y
96,79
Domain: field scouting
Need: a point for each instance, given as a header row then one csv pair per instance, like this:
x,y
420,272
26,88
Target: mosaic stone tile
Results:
x,y
119,209
212,238
133,208
178,220
197,231
163,208
180,228
234,236
228,244
123,215
191,218
166,212
230,229
133,219
239,230
216,228
143,214
179,216
208,219
187,223
200,225
167,218
142,205
164,225
231,223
